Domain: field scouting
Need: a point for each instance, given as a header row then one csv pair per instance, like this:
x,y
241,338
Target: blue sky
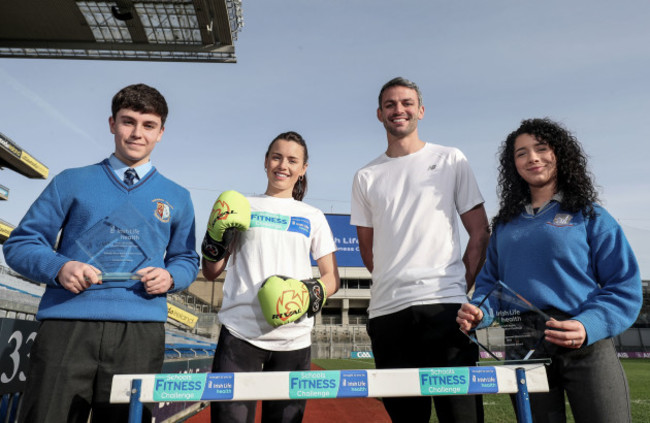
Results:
x,y
316,67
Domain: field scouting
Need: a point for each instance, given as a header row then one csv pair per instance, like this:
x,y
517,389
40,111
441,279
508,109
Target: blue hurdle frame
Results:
x,y
523,411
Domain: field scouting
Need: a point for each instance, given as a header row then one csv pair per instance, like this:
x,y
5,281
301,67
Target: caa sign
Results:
x,y
361,354
345,237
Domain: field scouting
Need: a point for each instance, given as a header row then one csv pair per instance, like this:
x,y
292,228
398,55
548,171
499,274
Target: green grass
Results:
x,y
638,376
498,408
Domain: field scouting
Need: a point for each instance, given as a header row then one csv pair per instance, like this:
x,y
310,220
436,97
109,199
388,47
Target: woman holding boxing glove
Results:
x,y
265,242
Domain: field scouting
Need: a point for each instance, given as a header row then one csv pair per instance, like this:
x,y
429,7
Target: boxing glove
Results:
x,y
284,300
230,213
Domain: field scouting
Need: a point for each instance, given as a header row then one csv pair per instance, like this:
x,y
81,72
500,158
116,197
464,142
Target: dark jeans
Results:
x,y
73,362
236,355
422,337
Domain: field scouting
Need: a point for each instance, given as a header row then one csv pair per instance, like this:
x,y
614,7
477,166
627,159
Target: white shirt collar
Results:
x,y
119,167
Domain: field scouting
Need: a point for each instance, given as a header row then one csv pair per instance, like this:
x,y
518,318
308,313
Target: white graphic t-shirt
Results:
x,y
282,235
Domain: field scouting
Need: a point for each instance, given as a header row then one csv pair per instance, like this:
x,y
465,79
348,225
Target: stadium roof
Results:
x,y
4,192
17,159
5,230
152,30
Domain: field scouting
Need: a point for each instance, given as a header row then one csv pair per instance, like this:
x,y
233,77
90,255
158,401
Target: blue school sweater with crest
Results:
x,y
582,266
89,215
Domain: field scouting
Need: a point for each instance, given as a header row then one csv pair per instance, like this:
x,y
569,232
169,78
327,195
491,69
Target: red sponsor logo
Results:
x,y
290,303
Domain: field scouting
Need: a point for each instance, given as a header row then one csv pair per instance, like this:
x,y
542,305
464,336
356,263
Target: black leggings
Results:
x,y
236,355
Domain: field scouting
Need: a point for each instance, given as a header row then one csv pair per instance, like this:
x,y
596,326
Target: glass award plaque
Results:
x,y
512,330
116,246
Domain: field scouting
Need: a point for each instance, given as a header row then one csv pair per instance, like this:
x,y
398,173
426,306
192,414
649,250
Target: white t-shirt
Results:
x,y
282,234
411,203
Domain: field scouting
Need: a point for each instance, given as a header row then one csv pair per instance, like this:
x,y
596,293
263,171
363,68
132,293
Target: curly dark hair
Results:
x,y
573,178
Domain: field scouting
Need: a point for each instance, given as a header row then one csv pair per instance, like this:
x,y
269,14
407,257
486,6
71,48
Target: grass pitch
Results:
x,y
498,408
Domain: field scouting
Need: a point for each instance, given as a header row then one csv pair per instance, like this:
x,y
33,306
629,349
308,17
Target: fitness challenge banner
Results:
x,y
345,237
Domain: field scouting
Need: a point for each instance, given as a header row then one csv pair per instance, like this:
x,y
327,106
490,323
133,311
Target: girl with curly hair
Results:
x,y
555,245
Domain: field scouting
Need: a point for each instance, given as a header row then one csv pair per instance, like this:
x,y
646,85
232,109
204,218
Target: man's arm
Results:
x,y
476,224
365,236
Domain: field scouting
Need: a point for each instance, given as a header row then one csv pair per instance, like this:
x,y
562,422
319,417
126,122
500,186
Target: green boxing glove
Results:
x,y
285,300
231,212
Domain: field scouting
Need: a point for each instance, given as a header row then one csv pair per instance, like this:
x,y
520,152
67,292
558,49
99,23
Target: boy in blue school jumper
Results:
x,y
116,217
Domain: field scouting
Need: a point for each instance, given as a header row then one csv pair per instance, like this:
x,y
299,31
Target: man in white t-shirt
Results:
x,y
404,204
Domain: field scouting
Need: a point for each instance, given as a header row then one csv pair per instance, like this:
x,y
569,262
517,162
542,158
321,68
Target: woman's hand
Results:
x,y
566,333
468,317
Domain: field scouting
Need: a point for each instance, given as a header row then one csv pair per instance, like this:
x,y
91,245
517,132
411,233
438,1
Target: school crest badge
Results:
x,y
562,219
162,210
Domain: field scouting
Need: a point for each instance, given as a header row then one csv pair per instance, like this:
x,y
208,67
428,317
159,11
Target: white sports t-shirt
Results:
x,y
282,234
411,202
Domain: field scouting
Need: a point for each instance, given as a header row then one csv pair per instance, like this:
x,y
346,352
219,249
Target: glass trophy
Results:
x,y
115,245
512,330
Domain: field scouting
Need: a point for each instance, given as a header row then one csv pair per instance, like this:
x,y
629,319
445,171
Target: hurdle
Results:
x,y
520,379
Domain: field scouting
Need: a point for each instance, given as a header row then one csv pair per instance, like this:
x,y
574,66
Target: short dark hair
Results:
x,y
300,187
400,82
141,98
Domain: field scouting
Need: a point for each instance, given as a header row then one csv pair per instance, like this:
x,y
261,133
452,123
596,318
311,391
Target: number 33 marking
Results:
x,y
17,337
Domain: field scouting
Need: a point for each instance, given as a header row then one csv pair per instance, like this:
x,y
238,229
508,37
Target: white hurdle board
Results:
x,y
318,384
